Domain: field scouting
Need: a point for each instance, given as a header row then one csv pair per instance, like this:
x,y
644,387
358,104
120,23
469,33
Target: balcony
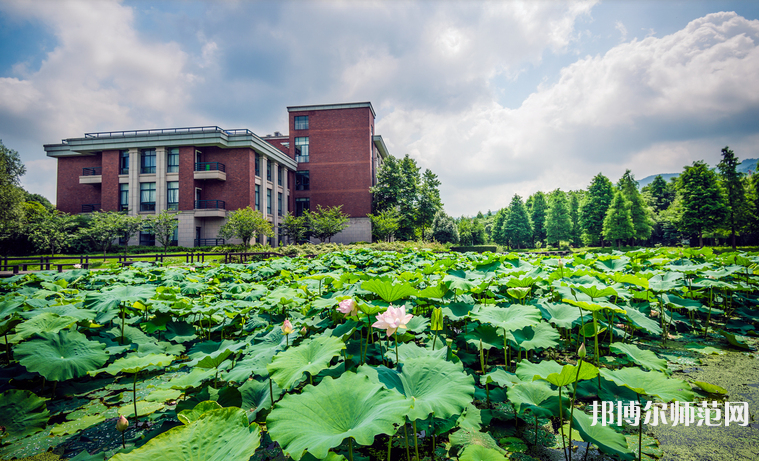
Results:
x,y
90,207
92,175
210,170
210,209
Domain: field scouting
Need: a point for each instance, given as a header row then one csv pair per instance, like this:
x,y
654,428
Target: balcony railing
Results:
x,y
186,130
93,171
90,207
124,170
210,205
147,206
208,242
210,166
147,170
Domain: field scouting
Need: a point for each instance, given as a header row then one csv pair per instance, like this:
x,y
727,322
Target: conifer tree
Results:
x,y
558,222
594,207
617,224
518,228
732,183
499,227
538,216
574,217
703,205
639,212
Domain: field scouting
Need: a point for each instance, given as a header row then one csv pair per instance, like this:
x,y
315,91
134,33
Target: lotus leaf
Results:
x,y
350,406
733,340
480,453
218,435
642,357
256,396
641,320
457,311
650,383
500,377
389,291
526,370
536,396
71,427
510,318
311,356
63,355
605,438
22,413
192,379
163,395
46,322
465,437
135,364
711,388
561,315
540,336
190,416
571,373
143,408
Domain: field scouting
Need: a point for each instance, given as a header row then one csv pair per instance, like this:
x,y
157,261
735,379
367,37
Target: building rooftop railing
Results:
x,y
92,171
153,132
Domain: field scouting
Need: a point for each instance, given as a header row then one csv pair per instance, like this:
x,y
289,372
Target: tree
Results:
x,y
558,222
444,228
12,196
518,227
732,183
397,187
639,212
130,225
703,204
429,202
574,217
499,234
163,226
538,212
295,228
325,223
51,229
103,229
385,223
466,231
245,224
659,194
479,236
594,207
617,224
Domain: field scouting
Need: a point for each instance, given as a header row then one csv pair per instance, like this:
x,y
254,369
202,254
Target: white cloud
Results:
x,y
622,30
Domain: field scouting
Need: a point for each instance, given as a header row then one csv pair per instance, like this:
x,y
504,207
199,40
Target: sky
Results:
x,y
496,98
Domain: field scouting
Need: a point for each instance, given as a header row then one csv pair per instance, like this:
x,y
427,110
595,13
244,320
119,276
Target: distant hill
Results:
x,y
745,166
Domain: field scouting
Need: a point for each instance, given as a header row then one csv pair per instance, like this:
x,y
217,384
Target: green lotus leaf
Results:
x,y
431,384
458,311
641,320
72,427
465,437
110,299
650,383
486,333
435,292
679,303
594,306
22,413
180,332
218,435
214,360
389,291
190,416
561,315
471,418
665,282
256,396
539,336
144,408
163,395
590,330
480,453
519,292
595,291
536,396
500,377
612,264
733,340
711,388
642,357
43,323
571,373
515,317
247,367
135,364
350,406
605,438
188,380
526,370
630,279
458,280
703,349
311,356
60,356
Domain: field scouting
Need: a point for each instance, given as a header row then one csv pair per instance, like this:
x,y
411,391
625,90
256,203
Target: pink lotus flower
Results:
x,y
348,307
287,327
393,319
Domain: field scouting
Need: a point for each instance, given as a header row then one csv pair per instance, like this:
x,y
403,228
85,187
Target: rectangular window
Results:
x,y
258,197
123,197
268,201
301,205
301,149
280,173
175,238
124,162
172,195
147,239
147,161
147,196
268,170
302,180
258,165
301,122
279,204
172,164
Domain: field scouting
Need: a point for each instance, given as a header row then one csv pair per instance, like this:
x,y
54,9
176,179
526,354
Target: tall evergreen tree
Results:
x,y
518,229
639,211
429,201
703,205
732,183
499,234
617,224
444,228
659,194
594,207
574,217
398,186
558,222
538,216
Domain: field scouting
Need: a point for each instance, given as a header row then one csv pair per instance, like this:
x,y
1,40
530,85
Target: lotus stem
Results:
x,y
271,392
416,442
482,359
134,398
350,444
587,449
434,340
405,430
123,440
640,432
561,426
389,446
487,393
536,430
432,433
572,410
505,351
397,362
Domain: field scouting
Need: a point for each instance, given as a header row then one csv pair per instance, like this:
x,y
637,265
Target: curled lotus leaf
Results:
x,y
650,383
22,413
642,357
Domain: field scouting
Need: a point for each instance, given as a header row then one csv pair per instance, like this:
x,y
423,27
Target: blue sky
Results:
x,y
496,98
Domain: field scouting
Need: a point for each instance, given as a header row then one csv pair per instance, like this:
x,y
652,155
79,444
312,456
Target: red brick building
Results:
x,y
331,157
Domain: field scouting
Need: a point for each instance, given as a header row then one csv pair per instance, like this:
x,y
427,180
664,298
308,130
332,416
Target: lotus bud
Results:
x,y
348,307
437,319
303,330
287,327
581,351
122,423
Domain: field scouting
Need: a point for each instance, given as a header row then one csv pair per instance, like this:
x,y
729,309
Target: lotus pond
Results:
x,y
363,354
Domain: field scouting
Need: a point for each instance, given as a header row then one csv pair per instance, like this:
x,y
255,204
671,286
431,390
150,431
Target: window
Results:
x,y
279,203
172,165
147,239
258,165
280,173
301,149
268,170
124,162
172,195
302,180
268,201
147,196
301,122
301,205
123,197
147,161
258,197
175,238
